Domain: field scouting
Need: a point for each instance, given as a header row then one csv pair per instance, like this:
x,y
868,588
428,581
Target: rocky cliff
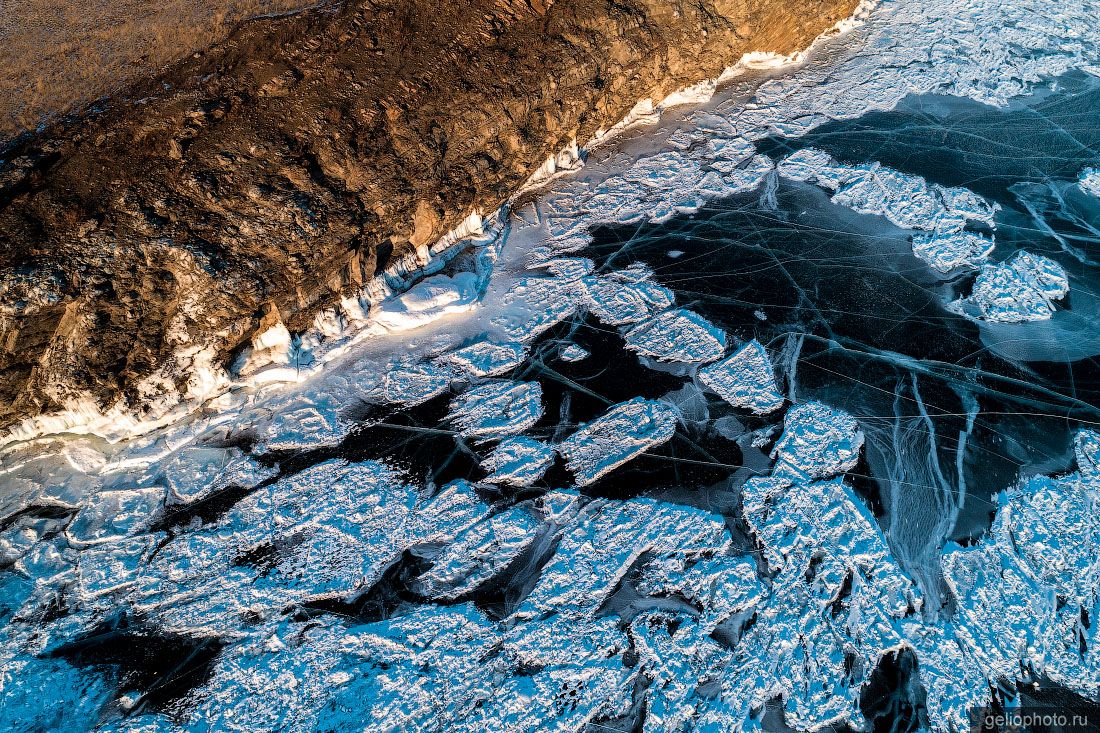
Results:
x,y
261,179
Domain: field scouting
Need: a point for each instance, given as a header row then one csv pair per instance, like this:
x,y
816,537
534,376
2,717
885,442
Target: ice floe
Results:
x,y
486,358
1022,289
817,442
1089,181
518,461
497,409
907,201
624,432
745,379
572,352
677,335
625,296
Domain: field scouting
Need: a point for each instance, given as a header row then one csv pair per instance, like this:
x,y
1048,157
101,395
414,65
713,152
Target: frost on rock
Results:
x,y
677,335
817,442
1089,181
1020,290
497,409
518,461
905,200
625,296
624,432
745,379
486,358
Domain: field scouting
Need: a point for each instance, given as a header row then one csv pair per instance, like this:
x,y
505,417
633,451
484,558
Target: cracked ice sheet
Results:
x,y
917,48
621,434
1020,290
1020,594
745,379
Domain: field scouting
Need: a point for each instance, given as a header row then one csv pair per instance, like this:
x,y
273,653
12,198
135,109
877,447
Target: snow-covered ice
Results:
x,y
518,461
1023,289
572,352
486,358
497,409
677,335
1089,181
817,442
624,432
744,379
431,298
625,296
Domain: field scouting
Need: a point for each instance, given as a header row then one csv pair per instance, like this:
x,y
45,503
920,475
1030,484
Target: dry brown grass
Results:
x,y
58,54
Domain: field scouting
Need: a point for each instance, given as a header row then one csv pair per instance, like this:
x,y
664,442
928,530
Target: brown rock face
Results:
x,y
289,164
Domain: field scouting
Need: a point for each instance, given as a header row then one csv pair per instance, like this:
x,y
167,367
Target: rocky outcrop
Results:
x,y
261,180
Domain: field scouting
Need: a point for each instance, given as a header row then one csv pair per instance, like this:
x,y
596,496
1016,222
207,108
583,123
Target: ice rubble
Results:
x,y
1022,289
1089,181
808,626
744,379
623,432
497,409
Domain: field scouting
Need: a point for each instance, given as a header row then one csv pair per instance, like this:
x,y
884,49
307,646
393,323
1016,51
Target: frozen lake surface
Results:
x,y
781,414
